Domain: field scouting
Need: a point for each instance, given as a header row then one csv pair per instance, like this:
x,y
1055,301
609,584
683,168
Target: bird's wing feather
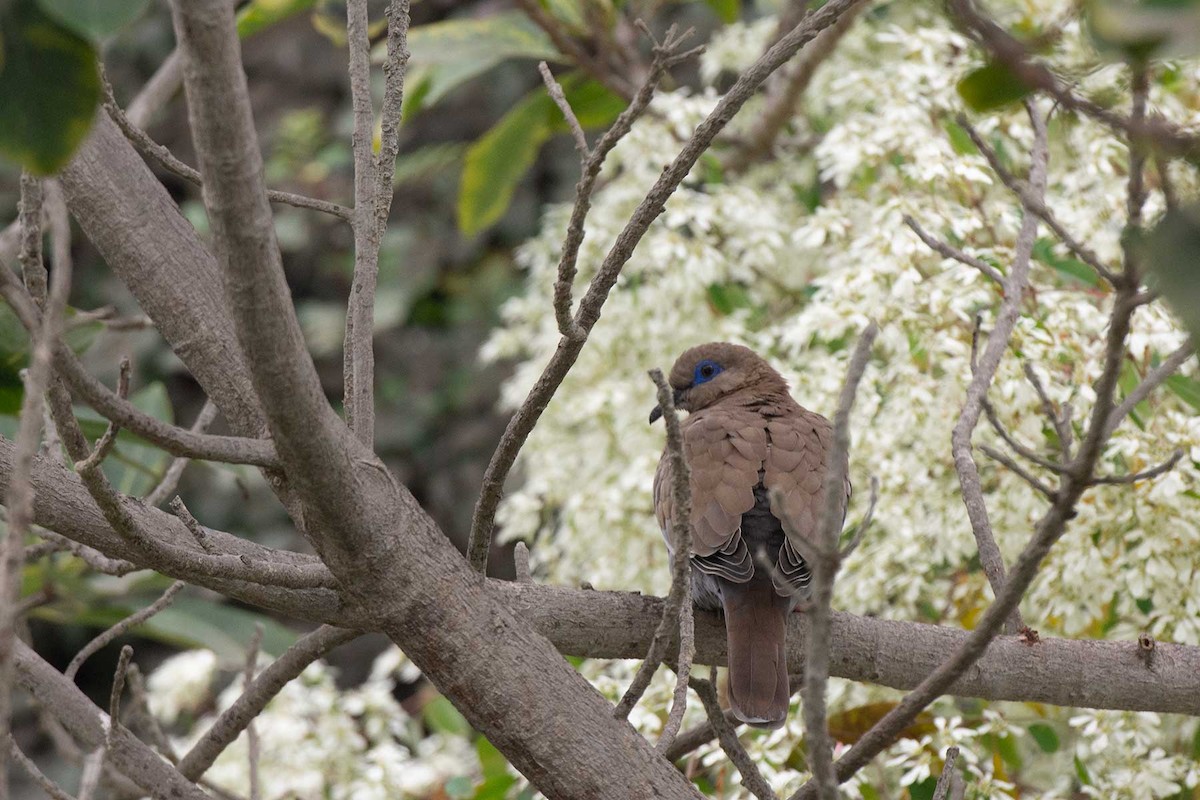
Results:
x,y
800,445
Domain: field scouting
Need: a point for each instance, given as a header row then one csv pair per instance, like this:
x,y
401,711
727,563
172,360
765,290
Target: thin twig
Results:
x,y
681,552
694,738
253,750
167,160
863,526
1018,470
170,479
1021,449
257,694
567,45
1154,378
1155,132
947,777
555,90
681,563
521,563
93,770
1032,199
1061,422
590,306
121,628
118,688
52,789
824,572
985,371
752,779
105,444
19,499
1144,475
946,251
781,101
145,719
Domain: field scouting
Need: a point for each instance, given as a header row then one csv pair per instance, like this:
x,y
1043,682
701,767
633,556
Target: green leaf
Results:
x,y
991,86
96,19
49,89
224,629
727,10
14,353
1045,736
495,788
447,54
1081,772
1141,30
1043,252
923,790
491,760
960,140
496,163
726,298
261,14
1186,389
442,717
1172,252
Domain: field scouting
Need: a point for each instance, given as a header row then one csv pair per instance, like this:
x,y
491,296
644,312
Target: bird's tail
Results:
x,y
756,625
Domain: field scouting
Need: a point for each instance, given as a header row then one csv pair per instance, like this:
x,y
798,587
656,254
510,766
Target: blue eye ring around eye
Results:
x,y
705,371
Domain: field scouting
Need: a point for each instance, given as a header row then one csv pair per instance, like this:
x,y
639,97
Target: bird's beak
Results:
x,y
657,412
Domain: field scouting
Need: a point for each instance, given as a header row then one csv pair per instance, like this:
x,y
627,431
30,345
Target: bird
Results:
x,y
745,441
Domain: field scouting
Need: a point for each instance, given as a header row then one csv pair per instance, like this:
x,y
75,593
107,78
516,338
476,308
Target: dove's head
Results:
x,y
708,373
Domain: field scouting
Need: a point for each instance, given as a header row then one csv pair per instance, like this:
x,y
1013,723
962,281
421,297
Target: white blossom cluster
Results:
x,y
755,258
316,741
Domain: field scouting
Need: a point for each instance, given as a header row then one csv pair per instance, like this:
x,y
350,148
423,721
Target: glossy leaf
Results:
x,y
445,55
1045,737
261,14
1186,389
49,89
496,163
991,86
96,19
727,10
849,725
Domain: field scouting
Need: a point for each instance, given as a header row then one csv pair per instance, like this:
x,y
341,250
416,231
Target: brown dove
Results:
x,y
744,439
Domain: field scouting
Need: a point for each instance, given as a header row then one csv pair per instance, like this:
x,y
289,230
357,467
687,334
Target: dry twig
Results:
x,y
121,628
752,779
946,251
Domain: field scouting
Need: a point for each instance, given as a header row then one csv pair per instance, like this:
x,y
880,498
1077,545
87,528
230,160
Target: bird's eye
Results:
x,y
705,371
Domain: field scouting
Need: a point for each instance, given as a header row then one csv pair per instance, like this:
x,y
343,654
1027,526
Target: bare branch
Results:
x,y
588,314
521,562
1018,470
121,628
944,781
90,727
93,768
1154,378
680,545
752,779
52,789
864,525
824,570
946,251
145,719
118,688
697,737
1144,475
105,444
985,371
1061,423
174,471
167,160
681,561
578,55
555,90
21,494
1021,449
251,730
782,100
257,694
1031,197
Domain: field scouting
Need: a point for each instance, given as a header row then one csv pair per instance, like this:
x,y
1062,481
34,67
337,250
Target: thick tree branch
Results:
x,y
90,727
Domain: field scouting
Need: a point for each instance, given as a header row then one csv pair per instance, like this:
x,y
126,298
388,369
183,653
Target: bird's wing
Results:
x,y
796,463
724,450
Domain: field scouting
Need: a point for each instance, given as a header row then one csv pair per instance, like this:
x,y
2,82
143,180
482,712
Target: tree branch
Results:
x,y
985,372
752,779
121,628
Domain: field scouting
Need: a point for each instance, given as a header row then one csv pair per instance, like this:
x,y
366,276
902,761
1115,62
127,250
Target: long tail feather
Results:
x,y
756,626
